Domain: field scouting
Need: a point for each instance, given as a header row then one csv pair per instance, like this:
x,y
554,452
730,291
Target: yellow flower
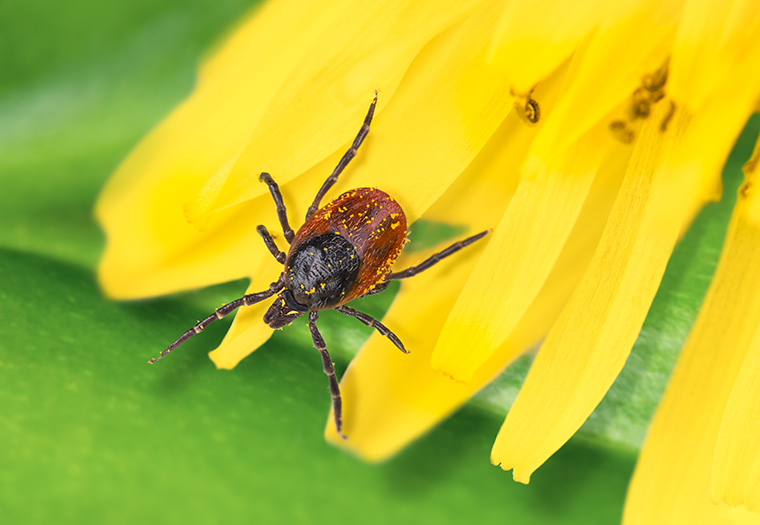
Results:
x,y
588,133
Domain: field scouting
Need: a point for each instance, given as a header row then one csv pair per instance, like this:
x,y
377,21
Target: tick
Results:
x,y
343,251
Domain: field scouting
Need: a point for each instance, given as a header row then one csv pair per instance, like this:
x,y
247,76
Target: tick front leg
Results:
x,y
329,370
282,213
271,246
350,154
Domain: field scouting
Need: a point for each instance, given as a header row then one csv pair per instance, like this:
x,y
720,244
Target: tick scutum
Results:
x,y
321,270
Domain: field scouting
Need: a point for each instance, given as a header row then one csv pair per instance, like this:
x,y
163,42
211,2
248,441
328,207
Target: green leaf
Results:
x,y
93,434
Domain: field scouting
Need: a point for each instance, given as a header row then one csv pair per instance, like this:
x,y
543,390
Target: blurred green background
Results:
x,y
90,434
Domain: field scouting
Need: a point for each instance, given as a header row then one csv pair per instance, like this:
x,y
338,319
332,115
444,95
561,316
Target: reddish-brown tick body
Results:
x,y
345,249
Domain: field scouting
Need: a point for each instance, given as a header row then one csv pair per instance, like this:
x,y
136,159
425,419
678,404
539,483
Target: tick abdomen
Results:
x,y
322,270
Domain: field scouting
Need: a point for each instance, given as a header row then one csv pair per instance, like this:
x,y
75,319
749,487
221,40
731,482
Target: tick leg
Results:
x,y
271,246
377,325
282,213
350,154
329,370
221,313
424,265
379,287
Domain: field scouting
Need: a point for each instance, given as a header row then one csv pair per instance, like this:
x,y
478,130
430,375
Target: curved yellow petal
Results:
x,y
671,483
715,40
587,347
151,250
448,105
736,467
248,330
315,111
532,38
391,399
632,40
518,258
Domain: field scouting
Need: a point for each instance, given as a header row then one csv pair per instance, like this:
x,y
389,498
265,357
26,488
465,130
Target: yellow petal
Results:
x,y
736,468
248,330
151,250
446,108
533,38
518,258
587,347
716,40
391,399
632,40
671,483
317,109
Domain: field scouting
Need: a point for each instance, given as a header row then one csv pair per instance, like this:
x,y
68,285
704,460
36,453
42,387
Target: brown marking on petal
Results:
x,y
668,117
622,132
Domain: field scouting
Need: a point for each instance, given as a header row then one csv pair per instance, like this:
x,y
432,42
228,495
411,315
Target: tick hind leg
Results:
x,y
347,156
329,370
374,323
434,259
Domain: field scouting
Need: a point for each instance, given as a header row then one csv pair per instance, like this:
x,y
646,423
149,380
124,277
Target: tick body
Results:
x,y
343,251
345,248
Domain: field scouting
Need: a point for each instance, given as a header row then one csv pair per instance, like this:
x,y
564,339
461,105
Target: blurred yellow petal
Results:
x,y
447,107
719,81
248,330
587,347
632,41
151,250
736,469
518,259
715,39
532,38
370,46
671,483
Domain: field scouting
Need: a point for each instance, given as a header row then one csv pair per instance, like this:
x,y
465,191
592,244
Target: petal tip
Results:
x,y
115,284
222,360
520,477
517,475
